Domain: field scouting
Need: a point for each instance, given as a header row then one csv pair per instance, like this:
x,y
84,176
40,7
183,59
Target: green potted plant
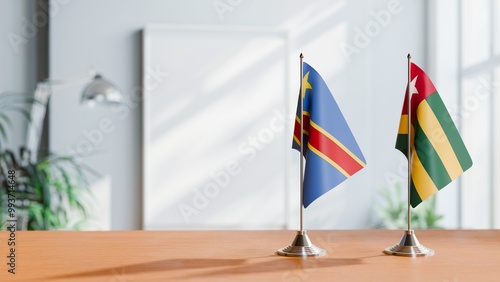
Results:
x,y
392,213
49,193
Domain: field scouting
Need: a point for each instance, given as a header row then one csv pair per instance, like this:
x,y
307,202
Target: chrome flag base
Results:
x,y
301,247
409,247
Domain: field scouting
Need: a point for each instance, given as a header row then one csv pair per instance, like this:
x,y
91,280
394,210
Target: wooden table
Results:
x,y
356,255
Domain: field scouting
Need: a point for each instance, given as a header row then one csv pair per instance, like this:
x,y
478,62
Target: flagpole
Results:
x,y
301,185
301,245
408,93
409,246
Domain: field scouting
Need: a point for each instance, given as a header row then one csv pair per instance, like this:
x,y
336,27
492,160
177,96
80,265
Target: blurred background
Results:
x,y
202,136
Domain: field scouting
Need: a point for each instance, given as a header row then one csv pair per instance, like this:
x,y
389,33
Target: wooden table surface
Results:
x,y
353,255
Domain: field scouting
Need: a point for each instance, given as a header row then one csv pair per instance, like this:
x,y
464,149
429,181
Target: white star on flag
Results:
x,y
413,88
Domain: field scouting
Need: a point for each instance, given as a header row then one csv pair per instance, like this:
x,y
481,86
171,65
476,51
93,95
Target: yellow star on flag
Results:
x,y
305,84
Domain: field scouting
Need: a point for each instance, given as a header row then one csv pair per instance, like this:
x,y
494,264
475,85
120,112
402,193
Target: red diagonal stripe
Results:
x,y
296,130
325,145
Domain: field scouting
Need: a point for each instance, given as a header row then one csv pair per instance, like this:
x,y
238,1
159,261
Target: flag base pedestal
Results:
x,y
409,247
301,247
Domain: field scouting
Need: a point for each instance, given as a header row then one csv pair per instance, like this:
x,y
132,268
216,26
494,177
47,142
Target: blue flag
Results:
x,y
331,152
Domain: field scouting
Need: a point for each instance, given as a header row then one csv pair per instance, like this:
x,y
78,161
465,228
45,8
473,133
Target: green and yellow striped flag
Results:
x,y
438,152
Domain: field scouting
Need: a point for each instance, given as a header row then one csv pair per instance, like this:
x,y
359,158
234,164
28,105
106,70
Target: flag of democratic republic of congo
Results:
x,y
331,152
438,152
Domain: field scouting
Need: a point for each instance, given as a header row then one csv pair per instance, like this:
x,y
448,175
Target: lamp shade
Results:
x,y
102,91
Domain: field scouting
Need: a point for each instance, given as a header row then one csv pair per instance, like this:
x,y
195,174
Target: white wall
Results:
x,y
17,58
368,85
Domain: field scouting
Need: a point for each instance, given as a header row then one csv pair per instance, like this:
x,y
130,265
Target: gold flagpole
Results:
x,y
301,245
409,246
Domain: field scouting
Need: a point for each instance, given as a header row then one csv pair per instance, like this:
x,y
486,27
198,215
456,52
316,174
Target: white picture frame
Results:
x,y
216,128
